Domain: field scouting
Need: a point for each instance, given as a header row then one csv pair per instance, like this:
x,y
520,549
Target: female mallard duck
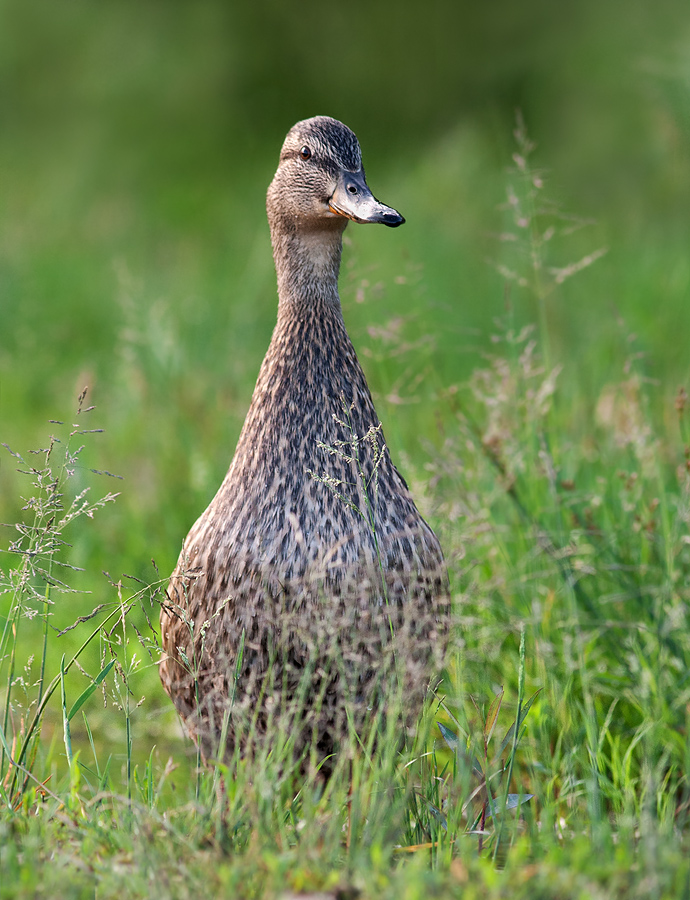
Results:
x,y
311,581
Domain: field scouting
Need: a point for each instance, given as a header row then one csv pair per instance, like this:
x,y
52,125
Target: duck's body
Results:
x,y
286,570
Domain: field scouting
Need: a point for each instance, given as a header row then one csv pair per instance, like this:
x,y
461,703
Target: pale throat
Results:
x,y
324,250
308,263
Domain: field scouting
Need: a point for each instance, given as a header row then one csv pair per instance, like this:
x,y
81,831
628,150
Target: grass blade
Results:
x,y
65,719
84,696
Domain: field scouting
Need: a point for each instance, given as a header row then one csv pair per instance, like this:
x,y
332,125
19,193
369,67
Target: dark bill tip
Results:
x,y
392,219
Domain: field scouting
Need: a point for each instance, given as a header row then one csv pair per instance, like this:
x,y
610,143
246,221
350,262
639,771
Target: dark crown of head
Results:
x,y
334,139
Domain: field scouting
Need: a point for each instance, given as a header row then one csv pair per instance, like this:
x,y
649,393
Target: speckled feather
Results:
x,y
275,540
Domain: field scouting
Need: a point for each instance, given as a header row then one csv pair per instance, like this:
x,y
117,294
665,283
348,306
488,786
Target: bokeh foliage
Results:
x,y
136,145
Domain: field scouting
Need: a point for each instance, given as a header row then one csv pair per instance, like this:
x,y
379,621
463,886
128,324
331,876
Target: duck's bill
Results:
x,y
353,199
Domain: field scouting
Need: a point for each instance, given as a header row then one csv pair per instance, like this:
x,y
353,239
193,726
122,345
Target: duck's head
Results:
x,y
320,180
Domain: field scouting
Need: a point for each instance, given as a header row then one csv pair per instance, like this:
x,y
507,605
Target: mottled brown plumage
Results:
x,y
311,579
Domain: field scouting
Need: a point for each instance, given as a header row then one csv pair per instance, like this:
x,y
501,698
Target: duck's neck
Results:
x,y
307,264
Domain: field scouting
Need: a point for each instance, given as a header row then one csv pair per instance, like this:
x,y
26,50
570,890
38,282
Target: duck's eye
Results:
x,y
305,152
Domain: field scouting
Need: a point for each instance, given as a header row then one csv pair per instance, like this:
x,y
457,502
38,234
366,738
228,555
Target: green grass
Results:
x,y
568,544
540,421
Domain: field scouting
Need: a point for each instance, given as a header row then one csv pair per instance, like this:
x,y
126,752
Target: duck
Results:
x,y
311,585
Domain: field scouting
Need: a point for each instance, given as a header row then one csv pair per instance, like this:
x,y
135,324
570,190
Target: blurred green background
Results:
x,y
137,141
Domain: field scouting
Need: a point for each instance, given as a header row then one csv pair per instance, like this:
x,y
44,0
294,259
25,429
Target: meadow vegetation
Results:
x,y
557,737
530,367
